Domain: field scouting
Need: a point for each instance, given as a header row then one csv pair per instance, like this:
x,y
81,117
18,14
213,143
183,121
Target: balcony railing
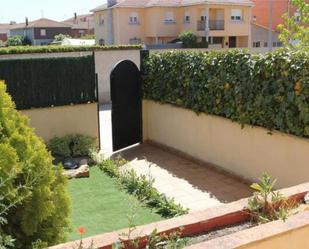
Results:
x,y
213,25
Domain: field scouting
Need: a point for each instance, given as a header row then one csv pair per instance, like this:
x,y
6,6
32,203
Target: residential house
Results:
x,y
260,38
260,12
5,30
224,23
40,32
81,25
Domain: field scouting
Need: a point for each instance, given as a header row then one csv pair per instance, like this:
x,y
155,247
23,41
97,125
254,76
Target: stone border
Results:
x,y
192,224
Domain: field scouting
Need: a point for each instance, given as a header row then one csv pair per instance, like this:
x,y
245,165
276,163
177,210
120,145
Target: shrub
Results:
x,y
189,39
267,205
33,188
141,187
61,37
62,49
16,40
45,82
268,90
81,145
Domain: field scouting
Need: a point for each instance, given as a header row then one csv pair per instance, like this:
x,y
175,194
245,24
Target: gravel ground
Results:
x,y
219,233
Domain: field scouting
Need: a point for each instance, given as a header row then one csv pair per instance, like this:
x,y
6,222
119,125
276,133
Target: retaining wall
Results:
x,y
245,152
64,120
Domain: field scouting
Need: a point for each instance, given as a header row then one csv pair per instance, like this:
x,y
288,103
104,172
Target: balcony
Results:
x,y
213,25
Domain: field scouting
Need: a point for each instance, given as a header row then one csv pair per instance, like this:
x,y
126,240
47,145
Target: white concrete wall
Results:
x,y
64,120
246,152
105,61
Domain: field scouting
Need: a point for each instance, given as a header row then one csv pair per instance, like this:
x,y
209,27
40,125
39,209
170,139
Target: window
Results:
x,y
274,44
133,19
265,44
43,32
257,44
169,17
101,20
236,15
297,17
279,44
187,17
135,40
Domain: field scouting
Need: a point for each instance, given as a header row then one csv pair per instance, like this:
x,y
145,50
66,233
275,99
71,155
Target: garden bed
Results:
x,y
99,205
204,221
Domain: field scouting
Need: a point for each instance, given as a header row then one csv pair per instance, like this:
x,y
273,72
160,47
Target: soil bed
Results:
x,y
223,231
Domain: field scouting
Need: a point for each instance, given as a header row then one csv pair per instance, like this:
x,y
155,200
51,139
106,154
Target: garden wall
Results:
x,y
105,61
246,152
64,120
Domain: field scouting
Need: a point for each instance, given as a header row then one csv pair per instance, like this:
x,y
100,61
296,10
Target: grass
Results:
x,y
100,205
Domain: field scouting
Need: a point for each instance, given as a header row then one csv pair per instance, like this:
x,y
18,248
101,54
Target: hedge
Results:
x,y
61,49
268,90
46,82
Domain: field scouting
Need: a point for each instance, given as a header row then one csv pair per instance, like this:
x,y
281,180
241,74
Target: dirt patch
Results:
x,y
220,232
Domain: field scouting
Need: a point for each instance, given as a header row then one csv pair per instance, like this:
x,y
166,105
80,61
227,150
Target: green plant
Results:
x,y
46,82
34,203
189,39
81,145
16,40
61,37
140,186
88,37
295,33
63,49
268,90
266,204
133,240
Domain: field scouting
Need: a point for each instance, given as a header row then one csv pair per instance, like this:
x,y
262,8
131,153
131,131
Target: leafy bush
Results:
x,y
141,187
16,40
267,205
62,49
81,145
61,37
45,82
34,190
268,90
189,39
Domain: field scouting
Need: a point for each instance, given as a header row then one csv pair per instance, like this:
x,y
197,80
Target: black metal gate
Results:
x,y
126,96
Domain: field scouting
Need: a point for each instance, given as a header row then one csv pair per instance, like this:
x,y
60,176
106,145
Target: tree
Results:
x,y
295,30
34,200
188,38
15,40
61,37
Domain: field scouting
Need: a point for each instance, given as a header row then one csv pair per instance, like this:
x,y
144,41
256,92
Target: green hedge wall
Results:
x,y
62,49
270,90
50,81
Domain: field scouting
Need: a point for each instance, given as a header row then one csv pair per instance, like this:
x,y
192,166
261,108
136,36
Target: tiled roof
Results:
x,y
42,23
171,3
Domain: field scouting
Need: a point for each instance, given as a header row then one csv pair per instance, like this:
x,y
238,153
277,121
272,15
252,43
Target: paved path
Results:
x,y
194,186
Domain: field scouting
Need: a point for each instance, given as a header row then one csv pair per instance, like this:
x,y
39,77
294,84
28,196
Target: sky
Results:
x,y
18,10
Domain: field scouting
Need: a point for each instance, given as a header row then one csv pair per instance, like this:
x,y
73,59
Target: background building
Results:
x,y
224,23
81,25
40,32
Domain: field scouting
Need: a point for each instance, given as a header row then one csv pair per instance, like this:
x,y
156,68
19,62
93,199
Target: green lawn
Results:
x,y
101,206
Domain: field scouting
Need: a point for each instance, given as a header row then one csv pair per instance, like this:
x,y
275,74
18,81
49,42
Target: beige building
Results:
x,y
224,23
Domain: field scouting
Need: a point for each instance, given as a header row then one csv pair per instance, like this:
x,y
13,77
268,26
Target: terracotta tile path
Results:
x,y
193,185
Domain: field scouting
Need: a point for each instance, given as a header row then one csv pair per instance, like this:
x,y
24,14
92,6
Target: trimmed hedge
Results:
x,y
270,90
61,49
46,82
